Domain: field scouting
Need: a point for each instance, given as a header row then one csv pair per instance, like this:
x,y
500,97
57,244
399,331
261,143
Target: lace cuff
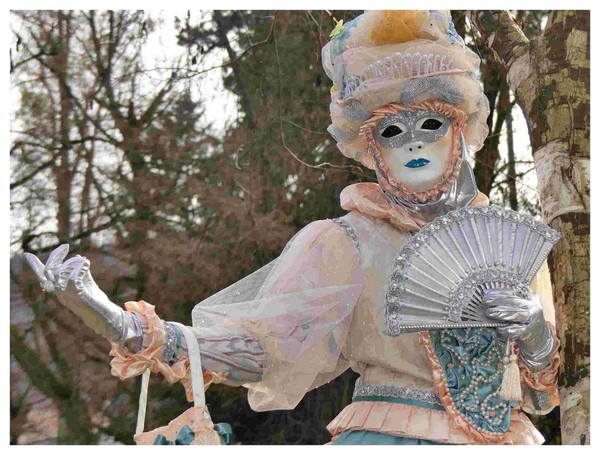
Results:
x,y
128,364
540,391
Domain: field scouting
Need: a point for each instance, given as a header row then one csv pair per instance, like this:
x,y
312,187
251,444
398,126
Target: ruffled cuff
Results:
x,y
128,364
540,391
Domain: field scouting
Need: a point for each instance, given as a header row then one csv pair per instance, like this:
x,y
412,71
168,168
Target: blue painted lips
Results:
x,y
419,162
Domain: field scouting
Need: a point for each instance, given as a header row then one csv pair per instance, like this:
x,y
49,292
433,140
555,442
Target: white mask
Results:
x,y
416,147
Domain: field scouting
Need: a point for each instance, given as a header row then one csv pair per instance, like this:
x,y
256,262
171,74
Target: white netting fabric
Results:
x,y
399,66
298,307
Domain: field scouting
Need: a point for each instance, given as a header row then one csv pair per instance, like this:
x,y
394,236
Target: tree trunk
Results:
x,y
551,81
86,206
62,172
487,158
224,41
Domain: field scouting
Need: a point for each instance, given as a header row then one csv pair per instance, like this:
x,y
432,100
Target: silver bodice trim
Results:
x,y
395,391
349,230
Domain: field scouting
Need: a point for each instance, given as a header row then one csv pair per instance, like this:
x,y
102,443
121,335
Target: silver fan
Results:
x,y
440,274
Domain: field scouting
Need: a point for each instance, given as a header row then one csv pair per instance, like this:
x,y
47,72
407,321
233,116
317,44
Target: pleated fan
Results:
x,y
439,275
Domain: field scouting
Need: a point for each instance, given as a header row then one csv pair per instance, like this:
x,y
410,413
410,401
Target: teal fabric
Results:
x,y
184,438
479,351
366,437
409,401
162,441
225,432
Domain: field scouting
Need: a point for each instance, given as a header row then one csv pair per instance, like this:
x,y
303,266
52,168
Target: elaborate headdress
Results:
x,y
410,59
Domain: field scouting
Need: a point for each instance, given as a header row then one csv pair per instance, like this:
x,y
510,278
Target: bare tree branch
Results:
x,y
35,172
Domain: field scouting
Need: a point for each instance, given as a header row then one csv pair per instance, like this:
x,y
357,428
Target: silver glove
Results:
x,y
75,288
526,325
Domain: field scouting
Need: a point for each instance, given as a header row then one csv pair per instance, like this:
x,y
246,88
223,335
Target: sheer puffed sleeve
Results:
x,y
540,391
279,331
298,308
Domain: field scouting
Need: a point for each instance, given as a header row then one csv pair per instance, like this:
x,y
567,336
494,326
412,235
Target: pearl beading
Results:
x,y
471,400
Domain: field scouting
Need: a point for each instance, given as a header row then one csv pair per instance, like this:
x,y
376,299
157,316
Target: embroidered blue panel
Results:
x,y
471,361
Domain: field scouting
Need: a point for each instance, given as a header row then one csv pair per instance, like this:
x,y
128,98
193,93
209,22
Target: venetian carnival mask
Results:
x,y
416,147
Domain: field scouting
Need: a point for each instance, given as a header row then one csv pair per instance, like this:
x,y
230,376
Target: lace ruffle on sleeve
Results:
x,y
127,364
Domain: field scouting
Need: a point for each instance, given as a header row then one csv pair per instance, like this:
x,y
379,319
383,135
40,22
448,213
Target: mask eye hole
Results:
x,y
431,124
391,131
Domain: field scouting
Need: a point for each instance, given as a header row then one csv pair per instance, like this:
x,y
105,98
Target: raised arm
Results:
x,y
75,288
279,332
140,339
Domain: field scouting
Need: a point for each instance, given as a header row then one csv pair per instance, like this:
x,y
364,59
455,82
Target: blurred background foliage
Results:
x,y
116,155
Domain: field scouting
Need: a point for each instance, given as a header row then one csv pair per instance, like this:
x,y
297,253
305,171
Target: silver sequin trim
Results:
x,y
395,391
170,349
349,230
437,87
410,133
543,400
355,112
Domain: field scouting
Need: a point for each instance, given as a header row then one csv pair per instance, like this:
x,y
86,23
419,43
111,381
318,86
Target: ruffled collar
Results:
x,y
367,199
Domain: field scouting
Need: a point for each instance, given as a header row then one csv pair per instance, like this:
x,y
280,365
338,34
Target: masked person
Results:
x,y
407,103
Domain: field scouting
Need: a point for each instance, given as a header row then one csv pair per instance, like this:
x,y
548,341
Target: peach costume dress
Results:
x,y
314,312
317,310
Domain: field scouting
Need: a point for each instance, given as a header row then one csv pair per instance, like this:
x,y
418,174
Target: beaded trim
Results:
x,y
456,300
541,401
458,297
395,391
172,344
448,387
469,401
349,231
491,211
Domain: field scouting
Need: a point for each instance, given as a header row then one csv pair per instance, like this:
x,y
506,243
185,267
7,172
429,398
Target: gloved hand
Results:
x,y
526,325
75,288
